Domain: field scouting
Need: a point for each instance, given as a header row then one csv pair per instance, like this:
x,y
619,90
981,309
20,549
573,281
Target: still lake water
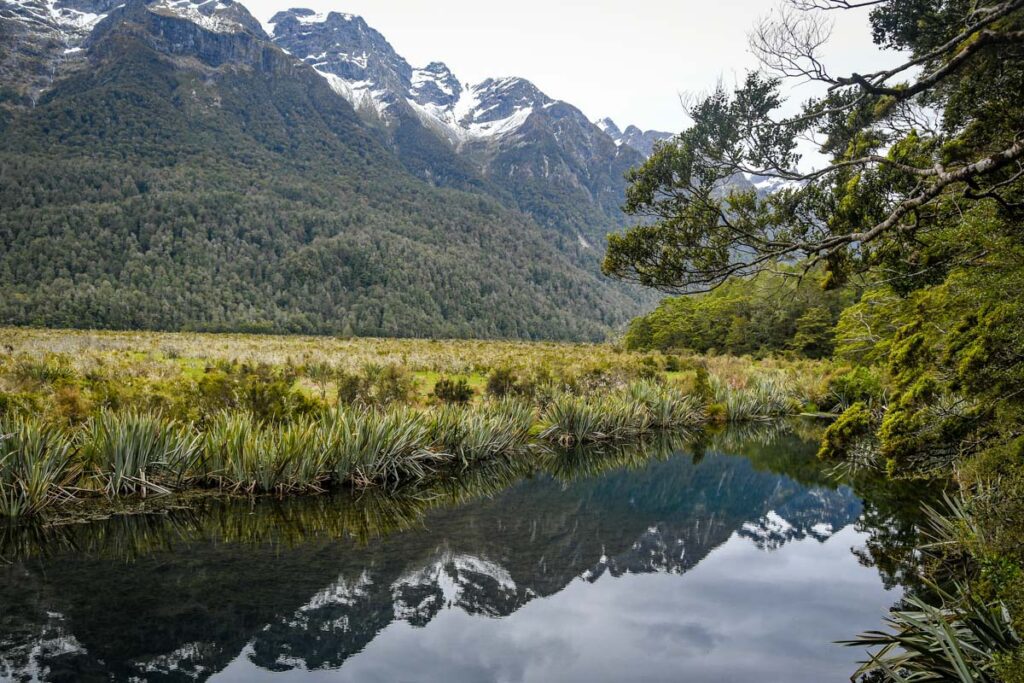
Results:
x,y
738,559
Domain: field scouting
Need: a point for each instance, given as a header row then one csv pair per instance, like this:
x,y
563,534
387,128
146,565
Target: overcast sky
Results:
x,y
628,59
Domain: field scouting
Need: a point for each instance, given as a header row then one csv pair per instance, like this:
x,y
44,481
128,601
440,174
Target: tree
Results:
x,y
814,337
922,199
907,157
922,202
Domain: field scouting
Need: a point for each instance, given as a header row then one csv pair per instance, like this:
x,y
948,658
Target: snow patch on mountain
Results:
x,y
767,185
71,25
210,15
341,592
360,65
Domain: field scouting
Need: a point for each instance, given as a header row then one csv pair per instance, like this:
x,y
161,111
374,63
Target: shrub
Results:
x,y
763,398
262,390
453,390
353,388
389,384
859,384
667,407
53,367
378,447
321,374
843,436
242,454
501,382
71,405
472,434
572,420
269,395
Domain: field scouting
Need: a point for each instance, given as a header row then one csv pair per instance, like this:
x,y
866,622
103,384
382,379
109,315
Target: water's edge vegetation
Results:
x,y
113,421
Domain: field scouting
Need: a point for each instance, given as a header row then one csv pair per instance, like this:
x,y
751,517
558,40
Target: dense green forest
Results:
x,y
923,200
769,313
149,192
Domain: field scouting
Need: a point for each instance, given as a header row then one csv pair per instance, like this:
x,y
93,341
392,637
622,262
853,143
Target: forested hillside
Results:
x,y
188,174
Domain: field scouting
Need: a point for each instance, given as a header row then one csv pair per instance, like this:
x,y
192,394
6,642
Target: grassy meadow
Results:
x,y
122,415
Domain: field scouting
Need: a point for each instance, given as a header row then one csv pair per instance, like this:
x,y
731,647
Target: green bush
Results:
x,y
353,388
453,390
859,384
502,382
389,384
126,450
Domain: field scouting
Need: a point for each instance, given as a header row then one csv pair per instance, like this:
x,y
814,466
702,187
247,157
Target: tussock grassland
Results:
x,y
119,414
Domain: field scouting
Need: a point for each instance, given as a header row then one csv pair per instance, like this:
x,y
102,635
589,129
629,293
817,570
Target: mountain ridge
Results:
x,y
179,170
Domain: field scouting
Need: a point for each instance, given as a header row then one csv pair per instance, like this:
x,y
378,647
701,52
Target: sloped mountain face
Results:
x,y
186,172
542,154
642,141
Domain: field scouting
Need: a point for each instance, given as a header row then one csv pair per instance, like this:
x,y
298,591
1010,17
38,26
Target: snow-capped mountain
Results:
x,y
543,153
503,136
46,40
216,16
343,203
361,65
642,141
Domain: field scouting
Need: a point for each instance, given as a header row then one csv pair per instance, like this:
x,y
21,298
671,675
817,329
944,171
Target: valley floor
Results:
x,y
120,415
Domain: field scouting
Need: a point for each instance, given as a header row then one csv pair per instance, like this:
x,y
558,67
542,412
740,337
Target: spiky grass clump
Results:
x,y
126,450
957,640
307,462
570,420
35,466
242,454
379,447
473,434
763,398
667,406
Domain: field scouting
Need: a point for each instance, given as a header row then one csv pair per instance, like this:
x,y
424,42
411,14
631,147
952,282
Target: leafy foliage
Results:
x,y
453,390
768,313
35,466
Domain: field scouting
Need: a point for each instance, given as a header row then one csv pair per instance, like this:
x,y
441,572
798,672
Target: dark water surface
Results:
x,y
735,560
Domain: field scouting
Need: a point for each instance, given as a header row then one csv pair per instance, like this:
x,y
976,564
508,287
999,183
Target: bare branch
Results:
x,y
787,44
829,5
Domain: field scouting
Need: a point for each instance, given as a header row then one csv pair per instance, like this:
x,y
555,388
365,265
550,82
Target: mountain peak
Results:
x,y
499,99
610,127
304,15
642,141
435,84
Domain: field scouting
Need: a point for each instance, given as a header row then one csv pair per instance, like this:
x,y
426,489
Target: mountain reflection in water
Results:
x,y
724,561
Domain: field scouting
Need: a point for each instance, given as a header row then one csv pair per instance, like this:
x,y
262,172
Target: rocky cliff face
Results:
x,y
216,32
